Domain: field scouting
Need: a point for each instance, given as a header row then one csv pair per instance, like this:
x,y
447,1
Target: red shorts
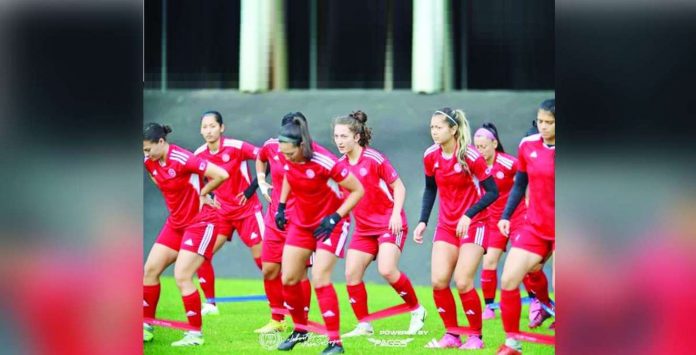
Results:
x,y
498,240
304,238
250,228
369,243
197,238
272,248
476,234
530,240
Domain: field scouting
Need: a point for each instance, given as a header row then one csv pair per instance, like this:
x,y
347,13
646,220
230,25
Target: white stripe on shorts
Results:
x,y
262,226
206,238
480,231
342,238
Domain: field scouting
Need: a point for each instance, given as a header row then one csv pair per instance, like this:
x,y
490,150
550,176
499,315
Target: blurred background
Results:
x,y
398,61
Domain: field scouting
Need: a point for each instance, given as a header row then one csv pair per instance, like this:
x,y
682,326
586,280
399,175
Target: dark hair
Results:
x,y
289,117
297,133
153,132
357,123
217,115
533,130
493,129
549,105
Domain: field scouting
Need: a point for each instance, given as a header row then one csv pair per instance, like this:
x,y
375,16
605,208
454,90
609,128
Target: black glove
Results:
x,y
280,217
326,227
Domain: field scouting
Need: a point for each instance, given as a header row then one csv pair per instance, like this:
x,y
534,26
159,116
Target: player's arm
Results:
x,y
152,178
262,168
395,222
356,192
216,176
249,152
516,195
486,200
429,194
280,219
328,223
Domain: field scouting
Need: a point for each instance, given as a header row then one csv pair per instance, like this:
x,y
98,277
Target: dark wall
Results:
x,y
202,43
497,44
510,43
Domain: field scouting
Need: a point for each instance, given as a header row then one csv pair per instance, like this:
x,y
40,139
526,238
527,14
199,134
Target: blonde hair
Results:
x,y
456,117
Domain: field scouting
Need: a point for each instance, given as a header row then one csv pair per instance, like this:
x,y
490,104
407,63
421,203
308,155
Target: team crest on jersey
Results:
x,y
344,172
458,168
310,173
275,157
363,171
171,172
225,157
499,175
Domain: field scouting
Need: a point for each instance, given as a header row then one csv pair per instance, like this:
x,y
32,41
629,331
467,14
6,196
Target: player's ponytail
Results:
x,y
357,123
297,133
306,145
490,127
463,137
290,116
153,132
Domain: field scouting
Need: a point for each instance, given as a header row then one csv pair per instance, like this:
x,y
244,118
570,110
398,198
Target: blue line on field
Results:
x,y
239,298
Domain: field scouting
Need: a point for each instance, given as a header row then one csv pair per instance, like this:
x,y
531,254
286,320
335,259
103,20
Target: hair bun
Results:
x,y
360,116
167,129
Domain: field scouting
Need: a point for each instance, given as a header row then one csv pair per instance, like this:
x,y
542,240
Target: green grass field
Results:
x,y
232,331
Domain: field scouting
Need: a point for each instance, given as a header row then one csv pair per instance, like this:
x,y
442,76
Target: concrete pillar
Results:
x,y
429,36
255,45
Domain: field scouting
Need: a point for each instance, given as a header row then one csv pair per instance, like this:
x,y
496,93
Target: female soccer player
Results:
x,y
274,239
319,223
536,241
455,169
186,236
240,209
380,222
502,168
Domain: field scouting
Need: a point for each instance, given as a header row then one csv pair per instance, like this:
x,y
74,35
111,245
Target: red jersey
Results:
x,y
376,174
271,154
232,156
539,161
457,188
503,172
180,179
314,184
